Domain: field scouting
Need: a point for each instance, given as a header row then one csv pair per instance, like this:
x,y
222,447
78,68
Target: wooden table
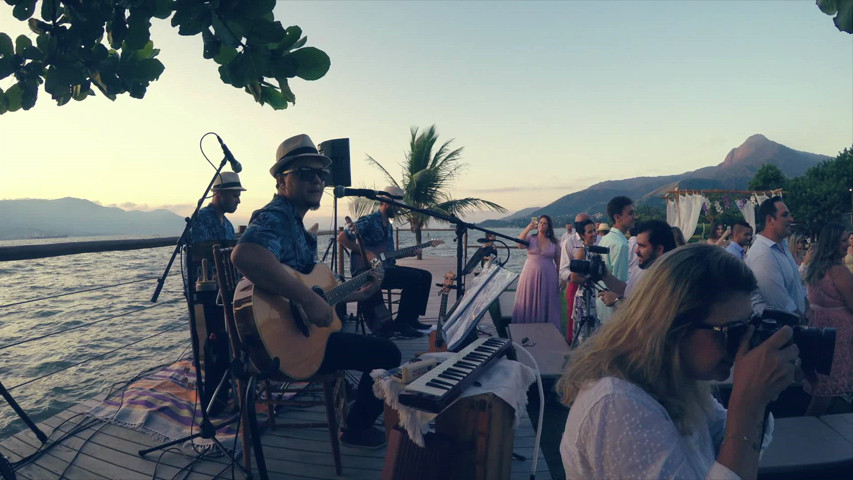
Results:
x,y
809,444
545,343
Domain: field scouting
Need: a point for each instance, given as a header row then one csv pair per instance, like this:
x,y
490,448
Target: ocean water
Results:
x,y
105,336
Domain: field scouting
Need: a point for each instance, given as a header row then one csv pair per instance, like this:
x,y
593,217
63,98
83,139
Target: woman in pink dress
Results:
x,y
830,289
537,296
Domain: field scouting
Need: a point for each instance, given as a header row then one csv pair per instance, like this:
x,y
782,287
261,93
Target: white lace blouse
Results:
x,y
617,430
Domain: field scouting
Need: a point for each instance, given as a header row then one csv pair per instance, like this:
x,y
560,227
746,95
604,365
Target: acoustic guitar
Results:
x,y
357,263
437,342
377,316
280,341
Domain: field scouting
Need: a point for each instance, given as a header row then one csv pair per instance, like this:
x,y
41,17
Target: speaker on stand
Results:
x,y
338,151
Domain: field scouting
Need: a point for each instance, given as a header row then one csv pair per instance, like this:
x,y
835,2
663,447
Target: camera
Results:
x,y
816,345
594,267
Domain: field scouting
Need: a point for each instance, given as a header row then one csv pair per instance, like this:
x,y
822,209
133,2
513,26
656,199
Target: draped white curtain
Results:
x,y
685,213
748,209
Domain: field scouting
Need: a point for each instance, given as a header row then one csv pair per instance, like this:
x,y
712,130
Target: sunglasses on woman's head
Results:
x,y
307,174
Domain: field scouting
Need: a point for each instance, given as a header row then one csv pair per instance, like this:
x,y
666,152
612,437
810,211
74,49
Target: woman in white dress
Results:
x,y
640,403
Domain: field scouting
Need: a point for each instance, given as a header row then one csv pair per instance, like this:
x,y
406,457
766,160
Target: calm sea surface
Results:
x,y
112,333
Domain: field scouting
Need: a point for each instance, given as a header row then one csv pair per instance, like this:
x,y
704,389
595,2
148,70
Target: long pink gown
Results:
x,y
537,296
828,310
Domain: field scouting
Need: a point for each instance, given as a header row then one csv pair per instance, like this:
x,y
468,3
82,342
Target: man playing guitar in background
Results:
x,y
377,235
276,236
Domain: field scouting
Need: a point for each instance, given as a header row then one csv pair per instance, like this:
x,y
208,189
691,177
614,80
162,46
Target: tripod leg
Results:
x,y
252,424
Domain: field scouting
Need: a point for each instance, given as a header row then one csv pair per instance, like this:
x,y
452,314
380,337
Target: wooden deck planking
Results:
x,y
110,451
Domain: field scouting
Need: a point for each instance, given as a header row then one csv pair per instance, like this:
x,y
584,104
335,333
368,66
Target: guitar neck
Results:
x,y
407,252
336,294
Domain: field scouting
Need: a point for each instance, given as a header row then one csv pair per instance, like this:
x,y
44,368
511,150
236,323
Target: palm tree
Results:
x,y
427,179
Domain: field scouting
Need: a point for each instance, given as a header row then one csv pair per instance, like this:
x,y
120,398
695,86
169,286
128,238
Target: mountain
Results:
x,y
33,218
734,173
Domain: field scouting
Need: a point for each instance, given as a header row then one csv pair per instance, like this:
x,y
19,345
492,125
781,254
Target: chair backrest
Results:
x,y
227,276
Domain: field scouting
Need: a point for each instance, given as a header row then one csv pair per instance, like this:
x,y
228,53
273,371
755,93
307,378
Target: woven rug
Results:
x,y
165,405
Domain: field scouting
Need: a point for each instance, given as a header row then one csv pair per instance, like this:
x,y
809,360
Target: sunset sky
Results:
x,y
546,98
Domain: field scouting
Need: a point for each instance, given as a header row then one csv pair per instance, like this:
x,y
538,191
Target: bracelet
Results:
x,y
755,445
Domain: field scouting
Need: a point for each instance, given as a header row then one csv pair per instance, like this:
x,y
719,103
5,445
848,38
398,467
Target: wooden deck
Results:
x,y
104,451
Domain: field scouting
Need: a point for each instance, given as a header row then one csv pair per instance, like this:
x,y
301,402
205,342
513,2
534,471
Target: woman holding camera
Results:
x,y
641,406
829,286
537,296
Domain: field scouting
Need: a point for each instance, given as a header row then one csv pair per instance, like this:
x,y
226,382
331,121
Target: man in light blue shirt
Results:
x,y
741,237
779,284
622,215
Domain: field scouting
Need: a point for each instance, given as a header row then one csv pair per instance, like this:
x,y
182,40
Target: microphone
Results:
x,y
341,191
235,165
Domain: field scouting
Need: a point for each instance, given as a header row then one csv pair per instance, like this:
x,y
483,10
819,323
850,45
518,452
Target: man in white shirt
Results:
x,y
779,284
567,234
621,212
568,245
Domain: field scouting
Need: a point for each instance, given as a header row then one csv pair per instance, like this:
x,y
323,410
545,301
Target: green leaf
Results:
x,y
30,91
225,55
291,36
283,66
267,32
7,67
117,28
163,8
22,43
274,98
255,8
312,63
14,96
222,32
37,26
285,90
150,69
827,6
22,11
6,48
212,45
844,19
51,10
138,31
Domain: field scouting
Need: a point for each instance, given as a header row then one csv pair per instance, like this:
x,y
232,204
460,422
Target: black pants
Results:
x,y
350,351
415,285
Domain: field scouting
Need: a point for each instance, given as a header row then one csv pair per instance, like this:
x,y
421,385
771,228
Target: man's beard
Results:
x,y
646,264
314,206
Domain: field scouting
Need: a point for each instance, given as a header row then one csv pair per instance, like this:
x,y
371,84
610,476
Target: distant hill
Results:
x,y
734,173
73,217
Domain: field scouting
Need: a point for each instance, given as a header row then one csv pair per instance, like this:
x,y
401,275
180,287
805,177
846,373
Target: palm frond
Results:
x,y
378,165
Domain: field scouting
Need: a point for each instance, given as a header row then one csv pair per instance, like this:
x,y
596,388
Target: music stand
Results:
x,y
482,291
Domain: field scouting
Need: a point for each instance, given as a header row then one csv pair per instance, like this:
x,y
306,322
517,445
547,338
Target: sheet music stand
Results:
x,y
481,292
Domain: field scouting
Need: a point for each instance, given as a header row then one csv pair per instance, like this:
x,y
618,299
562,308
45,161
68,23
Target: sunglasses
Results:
x,y
307,174
732,333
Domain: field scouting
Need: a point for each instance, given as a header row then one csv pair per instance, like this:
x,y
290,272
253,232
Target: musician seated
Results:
x,y
377,236
210,222
275,237
641,405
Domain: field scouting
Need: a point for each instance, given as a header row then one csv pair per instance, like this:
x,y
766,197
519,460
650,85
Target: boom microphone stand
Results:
x,y
461,228
207,429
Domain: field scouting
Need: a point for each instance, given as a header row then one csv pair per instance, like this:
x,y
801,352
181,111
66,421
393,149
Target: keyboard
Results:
x,y
435,390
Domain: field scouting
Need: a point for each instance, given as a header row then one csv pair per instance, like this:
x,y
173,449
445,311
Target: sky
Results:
x,y
546,98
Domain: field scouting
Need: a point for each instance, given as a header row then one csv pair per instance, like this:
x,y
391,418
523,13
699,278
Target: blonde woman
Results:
x,y
640,403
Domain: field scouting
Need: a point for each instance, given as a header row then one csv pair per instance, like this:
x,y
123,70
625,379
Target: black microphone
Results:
x,y
235,165
341,191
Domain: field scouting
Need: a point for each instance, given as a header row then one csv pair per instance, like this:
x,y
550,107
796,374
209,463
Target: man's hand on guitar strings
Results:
x,y
316,310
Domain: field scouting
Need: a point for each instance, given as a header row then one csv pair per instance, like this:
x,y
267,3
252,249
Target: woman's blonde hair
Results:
x,y
642,341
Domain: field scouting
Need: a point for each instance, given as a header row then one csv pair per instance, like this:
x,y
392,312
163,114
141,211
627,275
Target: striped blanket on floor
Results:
x,y
165,405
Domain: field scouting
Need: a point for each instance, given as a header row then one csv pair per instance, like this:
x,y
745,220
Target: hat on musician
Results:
x,y
296,148
227,181
394,192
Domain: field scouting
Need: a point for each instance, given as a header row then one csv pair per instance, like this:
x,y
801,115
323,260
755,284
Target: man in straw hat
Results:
x,y
210,223
275,237
377,235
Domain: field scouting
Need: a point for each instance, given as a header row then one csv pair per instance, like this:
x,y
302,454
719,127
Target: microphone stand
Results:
x,y
207,429
461,228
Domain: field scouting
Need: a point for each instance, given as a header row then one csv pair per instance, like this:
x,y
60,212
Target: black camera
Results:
x,y
816,345
593,268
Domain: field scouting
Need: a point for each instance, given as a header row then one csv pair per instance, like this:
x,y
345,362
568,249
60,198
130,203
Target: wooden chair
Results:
x,y
330,386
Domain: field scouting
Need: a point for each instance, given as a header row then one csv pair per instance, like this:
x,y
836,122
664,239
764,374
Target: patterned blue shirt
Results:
x,y
208,227
373,234
278,228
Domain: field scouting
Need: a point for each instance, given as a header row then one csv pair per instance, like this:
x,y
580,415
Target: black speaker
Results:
x,y
338,151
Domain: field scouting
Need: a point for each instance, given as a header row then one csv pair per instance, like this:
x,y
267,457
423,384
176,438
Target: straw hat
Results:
x,y
227,181
603,227
295,148
394,192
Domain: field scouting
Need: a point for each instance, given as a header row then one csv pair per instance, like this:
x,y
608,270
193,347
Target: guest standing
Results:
x,y
537,296
830,290
641,406
719,234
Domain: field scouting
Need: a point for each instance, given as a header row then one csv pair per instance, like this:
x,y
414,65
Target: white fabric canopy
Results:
x,y
684,213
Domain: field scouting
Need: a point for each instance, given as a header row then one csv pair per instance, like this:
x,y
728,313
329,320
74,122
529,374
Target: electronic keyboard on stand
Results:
x,y
435,390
